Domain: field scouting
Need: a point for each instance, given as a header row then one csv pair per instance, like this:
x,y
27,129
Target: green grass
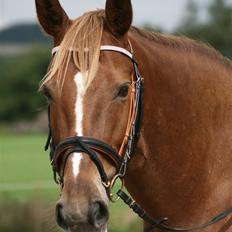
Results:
x,y
22,160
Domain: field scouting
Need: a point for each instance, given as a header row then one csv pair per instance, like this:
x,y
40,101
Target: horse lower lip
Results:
x,y
83,228
74,228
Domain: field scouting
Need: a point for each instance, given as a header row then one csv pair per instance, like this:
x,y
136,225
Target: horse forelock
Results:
x,y
81,45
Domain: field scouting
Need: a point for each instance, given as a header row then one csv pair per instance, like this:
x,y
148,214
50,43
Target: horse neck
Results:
x,y
184,154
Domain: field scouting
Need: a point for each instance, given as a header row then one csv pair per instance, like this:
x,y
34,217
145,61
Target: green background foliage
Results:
x,y
216,31
24,57
19,80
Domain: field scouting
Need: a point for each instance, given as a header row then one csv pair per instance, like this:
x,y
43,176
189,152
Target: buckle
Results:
x,y
111,184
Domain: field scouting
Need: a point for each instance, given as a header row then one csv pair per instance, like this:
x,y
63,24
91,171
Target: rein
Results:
x,y
93,148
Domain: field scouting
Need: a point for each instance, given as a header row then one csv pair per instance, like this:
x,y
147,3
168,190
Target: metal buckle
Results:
x,y
106,185
113,197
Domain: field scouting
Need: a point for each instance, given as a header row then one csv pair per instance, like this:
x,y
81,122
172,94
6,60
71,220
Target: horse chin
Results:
x,y
84,227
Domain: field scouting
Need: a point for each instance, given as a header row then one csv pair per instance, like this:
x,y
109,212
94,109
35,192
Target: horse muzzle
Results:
x,y
93,218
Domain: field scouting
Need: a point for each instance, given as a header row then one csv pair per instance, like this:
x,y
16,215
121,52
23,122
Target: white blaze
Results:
x,y
80,81
81,86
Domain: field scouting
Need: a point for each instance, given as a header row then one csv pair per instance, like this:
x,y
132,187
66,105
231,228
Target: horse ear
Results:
x,y
119,16
52,17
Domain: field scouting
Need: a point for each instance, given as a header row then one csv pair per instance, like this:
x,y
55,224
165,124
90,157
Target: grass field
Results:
x,y
26,178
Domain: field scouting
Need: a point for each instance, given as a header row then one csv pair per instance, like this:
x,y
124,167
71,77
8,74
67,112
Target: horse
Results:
x,y
181,154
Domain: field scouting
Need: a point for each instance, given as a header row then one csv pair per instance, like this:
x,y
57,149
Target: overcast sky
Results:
x,y
165,13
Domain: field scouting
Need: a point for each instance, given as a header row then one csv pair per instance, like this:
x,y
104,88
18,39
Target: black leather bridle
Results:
x,y
93,148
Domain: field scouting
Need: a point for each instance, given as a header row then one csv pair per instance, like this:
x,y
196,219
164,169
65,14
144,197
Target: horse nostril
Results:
x,y
98,214
59,216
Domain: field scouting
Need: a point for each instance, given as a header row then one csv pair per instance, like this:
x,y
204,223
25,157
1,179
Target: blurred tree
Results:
x,y
19,78
151,27
190,18
219,12
23,34
217,31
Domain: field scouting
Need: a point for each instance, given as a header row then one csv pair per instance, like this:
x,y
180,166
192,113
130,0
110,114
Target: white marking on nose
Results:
x,y
80,81
76,162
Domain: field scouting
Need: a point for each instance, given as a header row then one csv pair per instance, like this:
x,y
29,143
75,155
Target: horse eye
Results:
x,y
123,91
47,94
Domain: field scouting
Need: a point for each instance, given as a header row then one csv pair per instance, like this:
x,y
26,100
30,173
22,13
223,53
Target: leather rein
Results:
x,y
94,148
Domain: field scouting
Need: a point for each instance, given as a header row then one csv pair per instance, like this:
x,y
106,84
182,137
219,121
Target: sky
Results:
x,y
165,13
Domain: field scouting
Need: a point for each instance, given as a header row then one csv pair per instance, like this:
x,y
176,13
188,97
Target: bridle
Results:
x,y
93,148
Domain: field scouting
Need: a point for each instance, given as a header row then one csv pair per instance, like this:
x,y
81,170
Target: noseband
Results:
x,y
93,147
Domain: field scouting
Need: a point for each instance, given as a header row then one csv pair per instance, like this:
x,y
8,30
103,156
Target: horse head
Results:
x,y
89,94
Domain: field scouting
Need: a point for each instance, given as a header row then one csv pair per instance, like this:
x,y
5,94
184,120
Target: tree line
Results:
x,y
20,75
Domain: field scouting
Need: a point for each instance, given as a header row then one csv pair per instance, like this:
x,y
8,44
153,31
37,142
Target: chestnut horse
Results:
x,y
181,167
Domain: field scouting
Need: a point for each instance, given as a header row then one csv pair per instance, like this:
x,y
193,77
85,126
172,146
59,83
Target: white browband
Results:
x,y
55,50
104,48
116,49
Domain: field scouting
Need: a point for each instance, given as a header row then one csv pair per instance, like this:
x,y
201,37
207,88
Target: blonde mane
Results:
x,y
80,45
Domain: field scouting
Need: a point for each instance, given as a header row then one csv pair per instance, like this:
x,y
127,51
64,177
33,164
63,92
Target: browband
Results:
x,y
104,48
55,50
